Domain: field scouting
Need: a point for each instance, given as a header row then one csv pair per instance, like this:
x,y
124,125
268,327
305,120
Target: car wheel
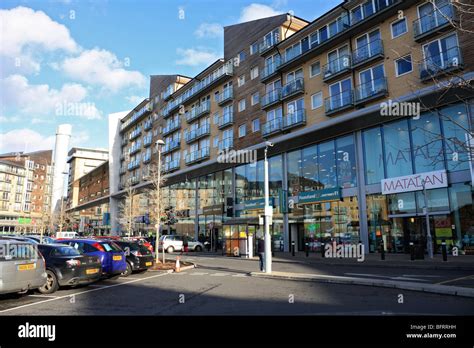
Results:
x,y
198,248
51,284
170,249
127,271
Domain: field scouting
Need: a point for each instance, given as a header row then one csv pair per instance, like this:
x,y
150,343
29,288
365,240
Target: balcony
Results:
x,y
443,63
267,44
172,126
438,20
135,148
147,158
338,102
133,164
272,127
367,53
171,145
270,70
148,125
226,96
295,119
122,170
197,156
198,133
336,67
147,140
199,111
135,133
124,141
171,166
226,144
271,98
227,119
371,90
293,88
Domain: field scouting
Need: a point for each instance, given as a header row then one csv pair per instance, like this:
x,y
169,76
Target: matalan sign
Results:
x,y
409,183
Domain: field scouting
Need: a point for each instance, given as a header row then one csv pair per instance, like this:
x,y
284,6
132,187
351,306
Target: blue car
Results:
x,y
110,254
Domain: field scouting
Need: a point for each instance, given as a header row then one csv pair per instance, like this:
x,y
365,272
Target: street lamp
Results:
x,y
429,240
62,207
268,214
159,143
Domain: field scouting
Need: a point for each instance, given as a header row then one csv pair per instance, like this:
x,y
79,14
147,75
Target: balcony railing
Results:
x,y
198,155
270,69
171,165
445,62
370,90
226,95
198,133
367,53
147,157
266,44
122,170
148,125
171,144
135,133
271,98
432,22
135,148
272,126
378,8
225,144
338,102
139,113
172,126
226,119
292,88
198,111
133,164
124,141
295,119
147,140
336,67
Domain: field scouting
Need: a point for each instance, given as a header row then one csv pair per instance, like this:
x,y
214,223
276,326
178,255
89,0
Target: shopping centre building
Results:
x,y
369,109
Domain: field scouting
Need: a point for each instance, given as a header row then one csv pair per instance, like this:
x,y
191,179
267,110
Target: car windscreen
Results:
x,y
65,251
16,251
144,250
110,246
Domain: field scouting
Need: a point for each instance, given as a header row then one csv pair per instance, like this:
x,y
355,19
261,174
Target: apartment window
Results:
x,y
216,118
403,65
256,125
255,98
254,72
254,48
399,28
241,81
315,69
216,96
242,131
242,105
242,56
441,53
18,198
215,143
317,100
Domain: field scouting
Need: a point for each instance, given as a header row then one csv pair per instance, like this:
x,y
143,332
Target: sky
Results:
x,y
76,61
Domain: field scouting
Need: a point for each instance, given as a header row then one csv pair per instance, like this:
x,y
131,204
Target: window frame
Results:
x,y
397,73
396,21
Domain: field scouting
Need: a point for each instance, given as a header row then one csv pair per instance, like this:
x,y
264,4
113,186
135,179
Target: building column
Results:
x,y
196,204
286,226
362,201
114,214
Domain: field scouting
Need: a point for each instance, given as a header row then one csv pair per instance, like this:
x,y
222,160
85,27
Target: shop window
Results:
x,y
397,149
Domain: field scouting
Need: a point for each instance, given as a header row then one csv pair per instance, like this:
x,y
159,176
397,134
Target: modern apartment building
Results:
x,y
341,168
25,185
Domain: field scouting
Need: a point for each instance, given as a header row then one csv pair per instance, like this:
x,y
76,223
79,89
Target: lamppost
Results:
x,y
268,213
429,239
62,208
159,143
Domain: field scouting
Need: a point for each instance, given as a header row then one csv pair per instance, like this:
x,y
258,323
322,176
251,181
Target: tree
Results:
x,y
127,207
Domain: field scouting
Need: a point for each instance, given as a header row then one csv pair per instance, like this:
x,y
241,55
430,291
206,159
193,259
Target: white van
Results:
x,y
66,234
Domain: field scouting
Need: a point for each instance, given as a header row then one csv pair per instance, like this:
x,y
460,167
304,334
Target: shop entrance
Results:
x,y
297,236
241,240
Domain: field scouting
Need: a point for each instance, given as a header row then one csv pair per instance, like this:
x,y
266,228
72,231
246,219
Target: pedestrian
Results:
x,y
185,245
261,252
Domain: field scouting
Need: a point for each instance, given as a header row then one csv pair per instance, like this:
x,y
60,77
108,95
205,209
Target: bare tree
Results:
x,y
127,207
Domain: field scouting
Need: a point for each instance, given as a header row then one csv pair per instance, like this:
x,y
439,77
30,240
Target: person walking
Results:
x,y
185,245
261,252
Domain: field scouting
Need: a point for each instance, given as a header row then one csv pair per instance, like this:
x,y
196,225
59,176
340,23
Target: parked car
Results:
x,y
65,265
141,240
139,258
110,254
37,239
22,266
66,234
172,243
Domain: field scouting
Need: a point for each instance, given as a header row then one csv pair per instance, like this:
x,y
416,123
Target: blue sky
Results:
x,y
76,61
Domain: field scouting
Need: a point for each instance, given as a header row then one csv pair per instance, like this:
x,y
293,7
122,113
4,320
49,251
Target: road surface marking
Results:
x,y
453,280
385,276
367,275
40,296
199,273
406,278
82,292
179,273
240,275
420,275
219,274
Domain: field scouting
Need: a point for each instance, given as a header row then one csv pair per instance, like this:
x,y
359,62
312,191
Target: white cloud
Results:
x,y
40,100
101,67
134,99
256,11
25,140
25,34
196,57
209,30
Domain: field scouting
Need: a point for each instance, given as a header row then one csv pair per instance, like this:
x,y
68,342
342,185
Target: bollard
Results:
x,y
445,251
412,251
382,250
322,249
306,245
293,248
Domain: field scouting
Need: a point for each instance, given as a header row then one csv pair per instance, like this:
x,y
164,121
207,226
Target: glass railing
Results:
x,y
292,87
336,66
367,52
226,143
226,119
198,132
269,43
139,113
338,101
171,127
271,97
371,89
226,95
445,60
272,126
148,125
294,119
197,155
135,133
430,22
271,68
171,165
368,14
147,140
198,111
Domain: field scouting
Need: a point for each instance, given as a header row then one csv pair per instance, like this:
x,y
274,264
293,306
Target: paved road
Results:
x,y
222,287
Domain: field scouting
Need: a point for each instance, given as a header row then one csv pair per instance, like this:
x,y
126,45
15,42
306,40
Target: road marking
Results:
x,y
453,280
219,274
199,273
82,292
366,275
386,276
406,278
40,296
96,285
240,275
179,273
420,275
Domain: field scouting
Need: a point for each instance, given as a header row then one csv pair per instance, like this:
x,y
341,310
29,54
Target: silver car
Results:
x,y
175,243
22,267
